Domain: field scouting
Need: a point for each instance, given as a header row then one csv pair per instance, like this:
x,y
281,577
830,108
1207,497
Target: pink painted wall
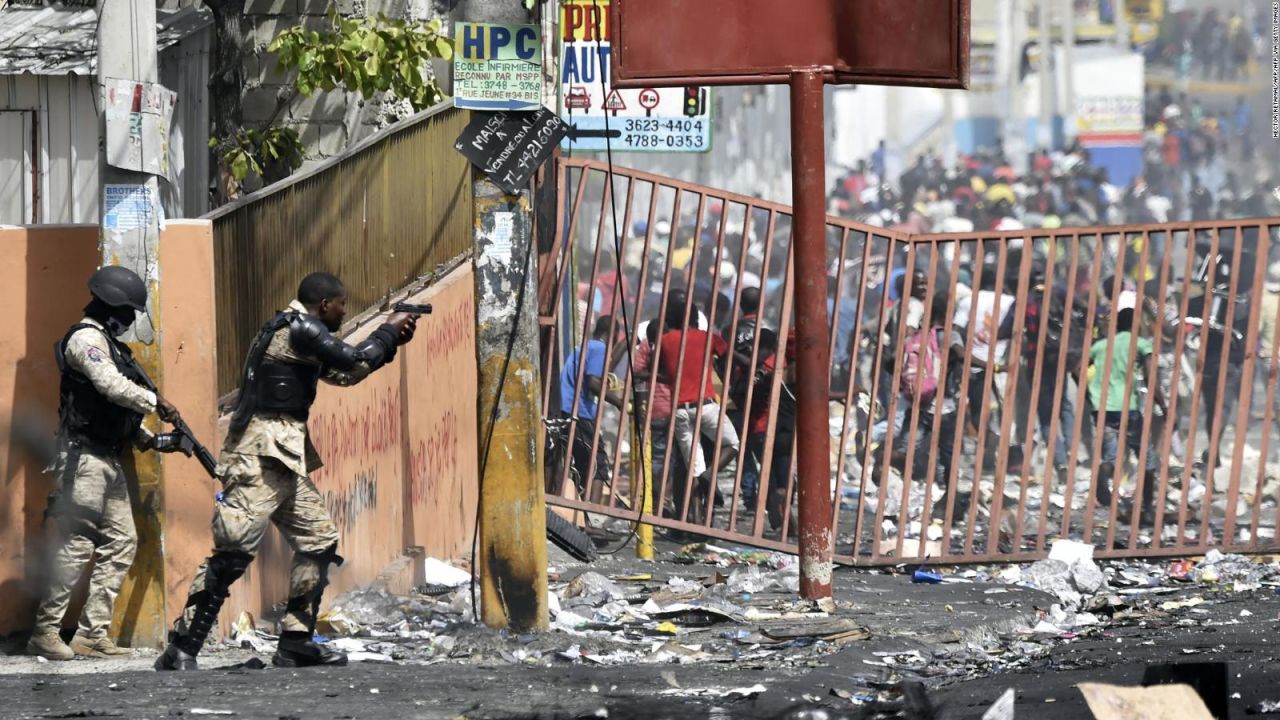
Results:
x,y
400,448
43,290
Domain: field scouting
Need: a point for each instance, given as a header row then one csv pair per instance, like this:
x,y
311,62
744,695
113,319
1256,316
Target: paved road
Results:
x,y
1046,691
939,622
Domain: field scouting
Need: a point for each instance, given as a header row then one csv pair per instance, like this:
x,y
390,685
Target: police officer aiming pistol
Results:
x,y
264,466
103,398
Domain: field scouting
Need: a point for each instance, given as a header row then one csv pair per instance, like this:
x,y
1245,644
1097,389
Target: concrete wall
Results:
x,y
400,447
42,291
189,372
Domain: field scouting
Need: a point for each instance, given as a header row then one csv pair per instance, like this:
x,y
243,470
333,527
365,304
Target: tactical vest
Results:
x,y
84,415
271,387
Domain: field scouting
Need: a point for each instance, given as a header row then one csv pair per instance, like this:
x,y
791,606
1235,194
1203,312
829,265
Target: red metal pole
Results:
x,y
813,366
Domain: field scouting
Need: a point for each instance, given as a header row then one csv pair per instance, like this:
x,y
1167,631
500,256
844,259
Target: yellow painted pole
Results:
x,y
513,531
642,472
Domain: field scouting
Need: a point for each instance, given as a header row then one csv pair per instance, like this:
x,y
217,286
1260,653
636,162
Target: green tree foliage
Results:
x,y
366,56
276,151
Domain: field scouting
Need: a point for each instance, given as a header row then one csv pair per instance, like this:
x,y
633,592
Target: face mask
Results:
x,y
116,326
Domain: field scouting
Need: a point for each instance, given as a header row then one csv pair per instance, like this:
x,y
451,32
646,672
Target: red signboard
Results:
x,y
667,43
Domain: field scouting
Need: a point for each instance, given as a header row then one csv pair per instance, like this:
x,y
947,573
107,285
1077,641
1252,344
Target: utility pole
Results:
x,y
129,222
1068,108
1044,128
1010,38
1122,24
513,546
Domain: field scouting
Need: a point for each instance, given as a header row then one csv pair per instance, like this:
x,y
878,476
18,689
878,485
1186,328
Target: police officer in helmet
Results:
x,y
264,466
103,398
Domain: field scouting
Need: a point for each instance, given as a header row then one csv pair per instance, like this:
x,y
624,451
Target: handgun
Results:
x,y
412,309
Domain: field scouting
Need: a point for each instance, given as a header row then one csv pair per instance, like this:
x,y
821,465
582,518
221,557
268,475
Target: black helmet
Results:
x,y
119,287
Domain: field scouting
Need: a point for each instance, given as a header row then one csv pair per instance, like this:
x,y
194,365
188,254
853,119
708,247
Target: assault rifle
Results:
x,y
184,441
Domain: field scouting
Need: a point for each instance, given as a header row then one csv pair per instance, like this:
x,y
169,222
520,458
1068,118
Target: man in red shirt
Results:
x,y
687,357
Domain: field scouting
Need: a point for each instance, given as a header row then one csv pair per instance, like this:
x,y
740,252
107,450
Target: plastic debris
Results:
x,y
443,574
924,576
593,585
246,635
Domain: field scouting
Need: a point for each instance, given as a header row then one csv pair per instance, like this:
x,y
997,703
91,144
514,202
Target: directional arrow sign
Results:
x,y
576,134
648,119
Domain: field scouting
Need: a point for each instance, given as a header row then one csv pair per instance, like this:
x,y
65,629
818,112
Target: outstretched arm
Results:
x,y
349,364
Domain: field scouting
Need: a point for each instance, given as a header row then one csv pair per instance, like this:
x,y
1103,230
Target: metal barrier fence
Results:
x,y
990,392
383,213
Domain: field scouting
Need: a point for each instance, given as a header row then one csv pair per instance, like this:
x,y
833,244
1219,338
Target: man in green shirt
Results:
x,y
1107,395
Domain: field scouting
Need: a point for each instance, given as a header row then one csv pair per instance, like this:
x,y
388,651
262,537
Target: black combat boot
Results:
x,y
298,649
222,569
175,658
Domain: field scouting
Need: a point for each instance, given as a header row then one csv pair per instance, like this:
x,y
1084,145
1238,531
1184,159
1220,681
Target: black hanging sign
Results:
x,y
510,146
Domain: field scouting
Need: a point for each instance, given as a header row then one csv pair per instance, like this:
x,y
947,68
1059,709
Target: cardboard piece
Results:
x,y
1159,702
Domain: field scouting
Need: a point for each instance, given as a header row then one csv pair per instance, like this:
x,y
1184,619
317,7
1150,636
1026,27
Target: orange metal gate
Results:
x,y
1025,373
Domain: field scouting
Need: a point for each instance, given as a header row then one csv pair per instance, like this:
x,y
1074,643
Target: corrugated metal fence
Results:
x,y
387,211
990,392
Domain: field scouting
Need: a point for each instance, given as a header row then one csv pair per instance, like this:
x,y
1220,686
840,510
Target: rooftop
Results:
x,y
58,40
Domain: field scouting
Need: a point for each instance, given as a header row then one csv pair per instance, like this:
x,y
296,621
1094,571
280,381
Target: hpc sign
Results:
x,y
497,67
639,120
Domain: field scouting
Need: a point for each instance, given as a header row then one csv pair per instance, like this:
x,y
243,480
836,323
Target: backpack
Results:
x,y
920,361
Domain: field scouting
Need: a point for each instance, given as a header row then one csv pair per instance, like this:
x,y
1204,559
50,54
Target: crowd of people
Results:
x,y
1213,44
707,402
1188,173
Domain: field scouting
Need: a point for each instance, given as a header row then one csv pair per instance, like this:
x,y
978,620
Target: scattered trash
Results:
x,y
1180,604
831,629
1266,707
745,692
594,585
208,711
245,634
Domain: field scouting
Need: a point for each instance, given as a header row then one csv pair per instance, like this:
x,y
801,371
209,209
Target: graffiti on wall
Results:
x,y
348,503
358,432
435,457
450,332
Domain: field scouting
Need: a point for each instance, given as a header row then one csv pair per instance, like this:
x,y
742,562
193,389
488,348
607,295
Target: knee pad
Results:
x,y
224,569
326,557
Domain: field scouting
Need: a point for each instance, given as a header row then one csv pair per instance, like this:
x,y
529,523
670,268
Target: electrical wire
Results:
x,y
637,425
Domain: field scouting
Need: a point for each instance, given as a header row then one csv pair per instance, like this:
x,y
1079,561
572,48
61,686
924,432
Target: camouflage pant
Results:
x,y
89,509
258,491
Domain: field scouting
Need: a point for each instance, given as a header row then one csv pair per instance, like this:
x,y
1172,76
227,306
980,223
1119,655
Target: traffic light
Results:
x,y
695,101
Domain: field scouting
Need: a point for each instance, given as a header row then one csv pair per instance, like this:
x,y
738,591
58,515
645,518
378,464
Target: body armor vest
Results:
x,y
84,415
268,386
